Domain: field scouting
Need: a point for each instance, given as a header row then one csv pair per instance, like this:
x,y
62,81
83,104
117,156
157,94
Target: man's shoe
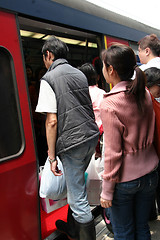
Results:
x,y
69,227
63,227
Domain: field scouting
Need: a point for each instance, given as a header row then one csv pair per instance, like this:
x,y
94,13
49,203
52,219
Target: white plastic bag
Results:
x,y
92,170
95,169
94,181
51,186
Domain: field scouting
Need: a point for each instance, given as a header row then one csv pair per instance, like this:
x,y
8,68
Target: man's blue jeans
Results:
x,y
75,162
131,208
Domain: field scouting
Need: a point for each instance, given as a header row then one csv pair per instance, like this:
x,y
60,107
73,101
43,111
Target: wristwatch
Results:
x,y
51,160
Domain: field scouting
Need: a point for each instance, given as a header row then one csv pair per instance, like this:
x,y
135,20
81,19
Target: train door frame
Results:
x,y
32,120
19,174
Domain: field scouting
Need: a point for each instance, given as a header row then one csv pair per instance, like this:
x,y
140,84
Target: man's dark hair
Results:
x,y
55,46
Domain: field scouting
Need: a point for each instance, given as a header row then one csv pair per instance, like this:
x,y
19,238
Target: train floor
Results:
x,y
102,233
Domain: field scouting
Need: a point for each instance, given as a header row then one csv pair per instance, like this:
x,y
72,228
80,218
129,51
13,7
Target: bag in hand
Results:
x,y
51,186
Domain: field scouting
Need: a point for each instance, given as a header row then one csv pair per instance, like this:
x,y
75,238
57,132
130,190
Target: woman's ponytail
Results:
x,y
137,87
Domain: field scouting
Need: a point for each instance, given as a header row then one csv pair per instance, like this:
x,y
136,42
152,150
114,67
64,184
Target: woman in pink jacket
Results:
x,y
130,176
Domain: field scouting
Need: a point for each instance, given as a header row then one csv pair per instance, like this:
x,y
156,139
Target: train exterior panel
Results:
x,y
82,15
19,206
19,167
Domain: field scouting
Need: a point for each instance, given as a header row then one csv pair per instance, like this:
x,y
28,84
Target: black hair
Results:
x,y
56,46
123,60
90,73
152,76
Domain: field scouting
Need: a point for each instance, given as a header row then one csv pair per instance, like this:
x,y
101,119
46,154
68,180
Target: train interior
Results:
x,y
83,47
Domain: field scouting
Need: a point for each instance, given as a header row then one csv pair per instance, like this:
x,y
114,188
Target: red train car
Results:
x,y
20,45
18,171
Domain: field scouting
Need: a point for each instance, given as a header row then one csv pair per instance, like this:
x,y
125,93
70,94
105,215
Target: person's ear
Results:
x,y
47,54
147,51
110,70
51,56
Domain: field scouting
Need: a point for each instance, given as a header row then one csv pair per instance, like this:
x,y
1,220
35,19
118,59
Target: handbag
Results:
x,y
156,142
51,186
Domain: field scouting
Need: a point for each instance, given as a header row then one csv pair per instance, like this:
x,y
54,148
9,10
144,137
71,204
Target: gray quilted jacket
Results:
x,y
76,121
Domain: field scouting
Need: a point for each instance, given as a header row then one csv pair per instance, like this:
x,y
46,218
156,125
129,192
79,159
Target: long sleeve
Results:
x,y
113,130
128,137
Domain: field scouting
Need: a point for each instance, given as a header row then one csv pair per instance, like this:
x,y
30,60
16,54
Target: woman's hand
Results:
x,y
105,203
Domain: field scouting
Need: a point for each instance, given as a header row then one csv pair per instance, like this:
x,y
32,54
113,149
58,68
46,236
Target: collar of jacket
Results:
x,y
119,87
57,62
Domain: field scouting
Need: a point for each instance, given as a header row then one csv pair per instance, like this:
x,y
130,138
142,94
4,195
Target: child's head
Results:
x,y
153,81
90,73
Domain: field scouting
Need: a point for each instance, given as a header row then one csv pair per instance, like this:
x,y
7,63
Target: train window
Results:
x,y
11,143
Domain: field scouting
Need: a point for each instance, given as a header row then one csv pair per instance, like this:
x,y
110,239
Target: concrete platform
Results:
x,y
155,229
103,233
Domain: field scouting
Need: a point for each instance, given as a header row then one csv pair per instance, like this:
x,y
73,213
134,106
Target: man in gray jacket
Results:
x,y
71,133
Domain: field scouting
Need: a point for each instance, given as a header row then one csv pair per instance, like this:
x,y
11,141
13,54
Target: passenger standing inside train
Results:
x,y
130,176
149,52
71,132
95,92
96,95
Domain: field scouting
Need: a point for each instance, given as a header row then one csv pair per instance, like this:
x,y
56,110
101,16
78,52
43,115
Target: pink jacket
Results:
x,y
128,138
96,95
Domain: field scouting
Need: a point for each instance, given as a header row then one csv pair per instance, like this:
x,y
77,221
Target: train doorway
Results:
x,y
83,47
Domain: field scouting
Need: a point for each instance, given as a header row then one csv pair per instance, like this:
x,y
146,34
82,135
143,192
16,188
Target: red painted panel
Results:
x,y
111,40
18,177
9,39
19,208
